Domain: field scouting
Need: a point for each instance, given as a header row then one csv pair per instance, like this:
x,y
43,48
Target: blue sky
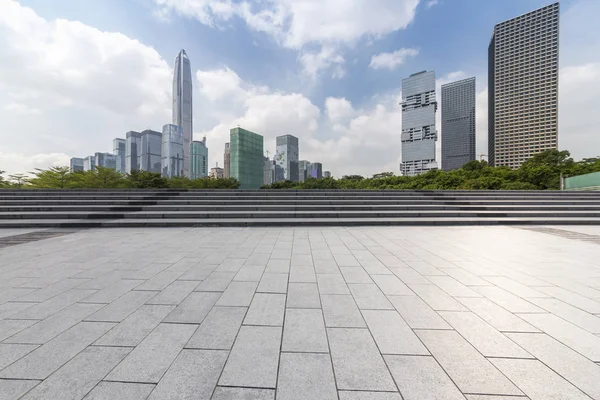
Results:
x,y
302,67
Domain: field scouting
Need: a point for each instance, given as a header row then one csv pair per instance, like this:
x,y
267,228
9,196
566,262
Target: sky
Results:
x,y
76,74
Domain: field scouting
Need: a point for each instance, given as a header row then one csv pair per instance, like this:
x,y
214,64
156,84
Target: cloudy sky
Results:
x,y
76,74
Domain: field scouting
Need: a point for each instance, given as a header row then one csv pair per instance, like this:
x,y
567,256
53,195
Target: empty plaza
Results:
x,y
357,313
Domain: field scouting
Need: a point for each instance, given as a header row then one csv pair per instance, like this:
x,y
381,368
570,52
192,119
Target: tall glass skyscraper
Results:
x,y
182,104
172,151
199,159
316,170
76,164
106,160
458,123
119,150
133,151
287,157
303,170
523,87
89,163
418,123
151,149
247,160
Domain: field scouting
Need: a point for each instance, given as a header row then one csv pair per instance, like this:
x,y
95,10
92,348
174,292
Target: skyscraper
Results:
x,y
89,163
287,157
326,174
247,160
76,164
199,159
268,171
150,151
227,161
172,151
418,123
458,123
133,151
182,104
523,87
106,160
303,170
119,150
316,170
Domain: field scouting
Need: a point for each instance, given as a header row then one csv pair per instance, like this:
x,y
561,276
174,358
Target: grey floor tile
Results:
x,y
346,395
536,380
193,375
219,329
121,308
453,287
227,393
175,293
489,397
340,311
14,389
306,376
409,275
120,390
54,325
484,337
152,357
53,305
417,314
254,358
574,315
355,275
197,273
278,266
496,316
46,359
9,309
10,327
332,284
238,294
465,277
304,331
436,298
273,283
471,372
303,295
160,281
507,300
358,365
421,378
10,353
572,366
77,377
216,282
573,336
302,273
113,291
194,308
250,273
392,334
133,329
266,309
325,266
48,292
390,285
514,287
369,297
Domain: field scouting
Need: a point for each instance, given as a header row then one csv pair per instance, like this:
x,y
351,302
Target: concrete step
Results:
x,y
299,214
146,223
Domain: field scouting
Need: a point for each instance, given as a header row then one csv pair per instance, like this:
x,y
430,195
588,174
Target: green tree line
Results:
x,y
106,178
541,172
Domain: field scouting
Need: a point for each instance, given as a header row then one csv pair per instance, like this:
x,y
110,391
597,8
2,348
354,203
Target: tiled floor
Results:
x,y
481,313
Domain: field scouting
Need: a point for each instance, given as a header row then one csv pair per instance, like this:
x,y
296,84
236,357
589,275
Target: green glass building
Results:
x,y
199,159
246,158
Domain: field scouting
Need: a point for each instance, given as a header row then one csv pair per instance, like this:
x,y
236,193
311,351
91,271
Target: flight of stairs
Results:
x,y
154,208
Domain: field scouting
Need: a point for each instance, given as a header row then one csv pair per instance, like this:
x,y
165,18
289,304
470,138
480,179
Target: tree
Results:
x,y
146,180
18,179
101,178
3,183
52,178
383,175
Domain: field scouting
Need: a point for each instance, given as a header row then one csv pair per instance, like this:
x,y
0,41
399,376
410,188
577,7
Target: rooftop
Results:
x,y
301,313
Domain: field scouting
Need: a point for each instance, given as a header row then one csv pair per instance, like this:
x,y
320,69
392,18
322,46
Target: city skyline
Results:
x,y
335,126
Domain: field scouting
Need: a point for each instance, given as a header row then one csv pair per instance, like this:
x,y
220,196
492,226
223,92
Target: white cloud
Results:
x,y
298,24
392,60
313,62
24,164
338,108
432,3
83,86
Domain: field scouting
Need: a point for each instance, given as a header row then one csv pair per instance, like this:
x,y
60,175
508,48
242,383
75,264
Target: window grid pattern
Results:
x,y
458,123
